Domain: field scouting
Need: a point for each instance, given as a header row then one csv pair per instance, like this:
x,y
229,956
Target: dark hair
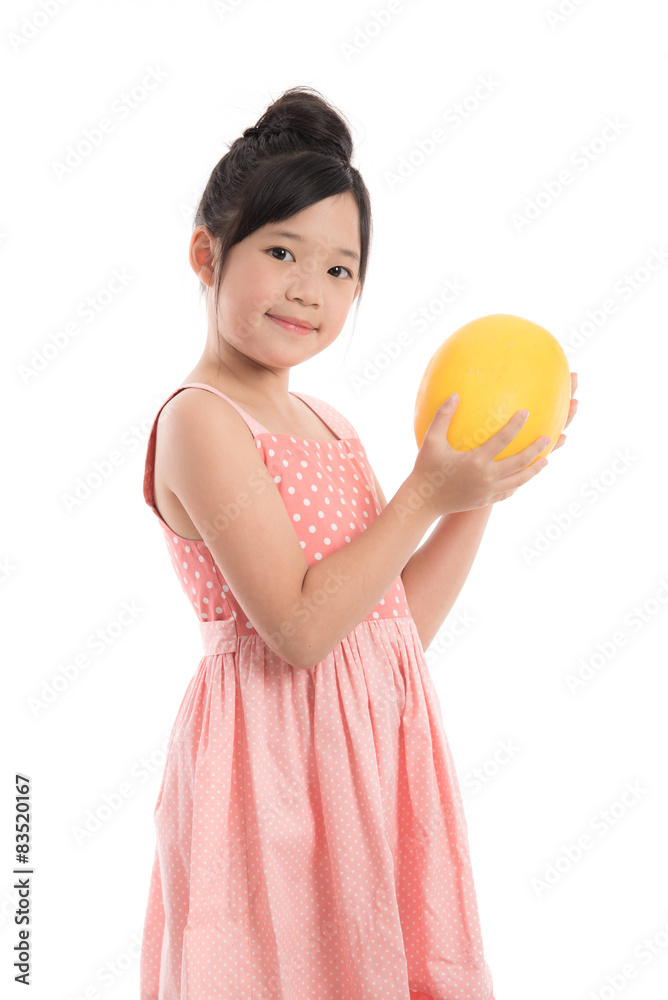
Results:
x,y
296,154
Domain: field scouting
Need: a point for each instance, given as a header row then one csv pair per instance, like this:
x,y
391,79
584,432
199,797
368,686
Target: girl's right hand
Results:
x,y
449,480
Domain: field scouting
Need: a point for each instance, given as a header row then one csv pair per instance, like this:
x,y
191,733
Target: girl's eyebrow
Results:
x,y
296,236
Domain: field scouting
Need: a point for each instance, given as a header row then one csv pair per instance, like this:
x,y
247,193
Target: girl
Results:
x,y
311,841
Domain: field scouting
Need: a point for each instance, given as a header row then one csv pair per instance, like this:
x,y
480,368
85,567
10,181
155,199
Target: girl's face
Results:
x,y
295,268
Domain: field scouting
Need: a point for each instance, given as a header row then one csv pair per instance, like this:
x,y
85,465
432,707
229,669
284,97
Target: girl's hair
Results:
x,y
296,154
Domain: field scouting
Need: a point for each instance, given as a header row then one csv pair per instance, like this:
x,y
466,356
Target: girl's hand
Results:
x,y
571,412
448,480
473,479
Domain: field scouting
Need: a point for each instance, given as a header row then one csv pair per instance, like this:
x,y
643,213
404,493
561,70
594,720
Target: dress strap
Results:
x,y
327,413
254,426
336,422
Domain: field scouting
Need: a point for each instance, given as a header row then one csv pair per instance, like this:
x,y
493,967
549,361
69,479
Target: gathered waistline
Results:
x,y
222,635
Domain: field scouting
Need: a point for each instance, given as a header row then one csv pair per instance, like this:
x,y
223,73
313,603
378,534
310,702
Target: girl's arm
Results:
x,y
436,572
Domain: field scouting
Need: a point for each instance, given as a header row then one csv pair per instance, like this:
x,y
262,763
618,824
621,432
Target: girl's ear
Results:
x,y
357,290
200,255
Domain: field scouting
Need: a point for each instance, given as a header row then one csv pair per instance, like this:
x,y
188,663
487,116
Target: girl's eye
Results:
x,y
337,267
280,250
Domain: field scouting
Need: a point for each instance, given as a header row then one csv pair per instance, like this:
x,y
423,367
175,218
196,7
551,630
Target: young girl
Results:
x,y
311,841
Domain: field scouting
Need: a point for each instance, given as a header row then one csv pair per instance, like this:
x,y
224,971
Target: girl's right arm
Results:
x,y
211,463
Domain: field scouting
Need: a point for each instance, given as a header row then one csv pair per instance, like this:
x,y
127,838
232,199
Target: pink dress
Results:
x,y
310,838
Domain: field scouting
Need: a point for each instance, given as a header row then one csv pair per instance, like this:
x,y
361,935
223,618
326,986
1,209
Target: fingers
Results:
x,y
521,467
513,482
571,412
523,459
497,442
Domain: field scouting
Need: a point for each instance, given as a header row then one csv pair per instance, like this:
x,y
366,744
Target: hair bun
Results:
x,y
301,119
257,130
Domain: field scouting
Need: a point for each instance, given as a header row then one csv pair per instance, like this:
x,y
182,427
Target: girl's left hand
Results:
x,y
571,411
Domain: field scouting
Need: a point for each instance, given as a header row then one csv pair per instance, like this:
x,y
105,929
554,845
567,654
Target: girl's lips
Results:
x,y
290,326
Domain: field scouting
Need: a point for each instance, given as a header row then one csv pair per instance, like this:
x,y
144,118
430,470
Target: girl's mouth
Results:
x,y
291,326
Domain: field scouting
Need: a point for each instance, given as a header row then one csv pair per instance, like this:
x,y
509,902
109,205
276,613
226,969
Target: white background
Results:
x,y
128,206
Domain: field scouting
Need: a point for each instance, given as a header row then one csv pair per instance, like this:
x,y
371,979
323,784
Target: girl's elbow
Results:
x,y
297,650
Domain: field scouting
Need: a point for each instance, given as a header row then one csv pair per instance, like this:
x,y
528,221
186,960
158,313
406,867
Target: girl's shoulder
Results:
x,y
316,419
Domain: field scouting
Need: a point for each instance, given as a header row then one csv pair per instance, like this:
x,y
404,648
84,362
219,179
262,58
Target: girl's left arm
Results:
x,y
436,572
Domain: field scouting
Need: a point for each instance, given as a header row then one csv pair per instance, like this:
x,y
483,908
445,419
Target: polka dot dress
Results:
x,y
311,842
